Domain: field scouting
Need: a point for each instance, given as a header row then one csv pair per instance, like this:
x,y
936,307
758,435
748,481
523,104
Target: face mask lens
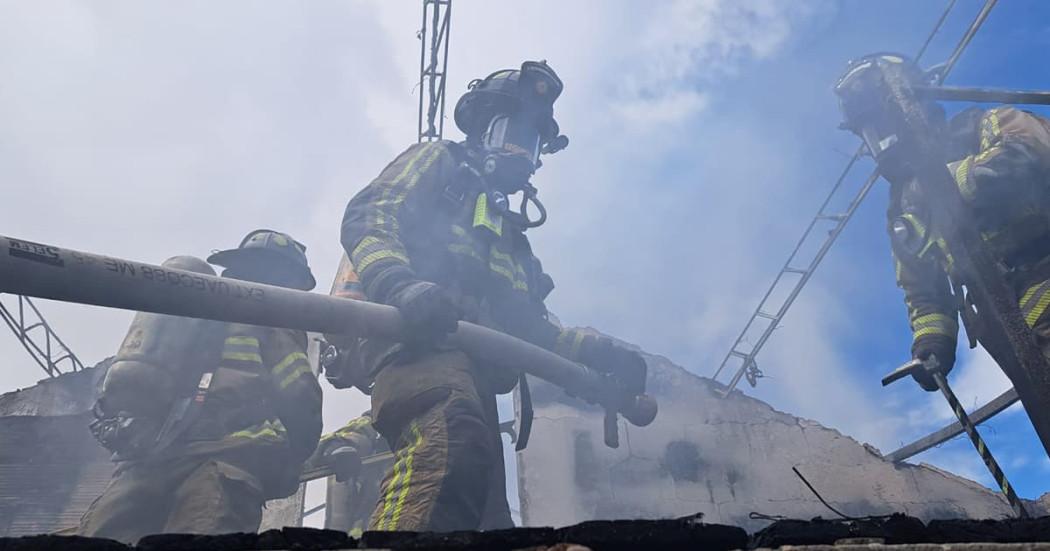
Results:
x,y
496,135
516,135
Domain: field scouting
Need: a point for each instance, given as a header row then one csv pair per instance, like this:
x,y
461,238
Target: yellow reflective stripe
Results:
x,y
1038,310
1035,302
370,250
501,256
515,282
414,179
397,180
511,270
394,498
920,228
388,497
242,356
485,218
408,475
242,341
287,361
458,230
465,250
931,331
1028,294
987,154
567,349
934,324
928,318
990,130
266,429
295,374
962,179
993,120
929,243
349,428
367,261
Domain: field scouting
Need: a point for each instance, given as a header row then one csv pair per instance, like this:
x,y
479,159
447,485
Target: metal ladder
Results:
x,y
30,327
433,67
793,276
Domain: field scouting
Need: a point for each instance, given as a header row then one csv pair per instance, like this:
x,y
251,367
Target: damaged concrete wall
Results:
x,y
725,458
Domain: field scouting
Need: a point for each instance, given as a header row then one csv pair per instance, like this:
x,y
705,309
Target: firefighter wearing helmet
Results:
x,y
1000,160
207,420
440,234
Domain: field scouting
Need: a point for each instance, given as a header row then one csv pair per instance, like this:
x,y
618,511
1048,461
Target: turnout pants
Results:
x,y
441,424
203,494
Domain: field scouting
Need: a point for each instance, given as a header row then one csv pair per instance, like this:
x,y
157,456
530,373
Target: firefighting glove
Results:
x,y
604,355
345,462
940,346
428,311
338,455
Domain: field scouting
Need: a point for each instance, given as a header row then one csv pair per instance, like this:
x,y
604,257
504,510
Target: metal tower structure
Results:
x,y
801,263
433,64
37,337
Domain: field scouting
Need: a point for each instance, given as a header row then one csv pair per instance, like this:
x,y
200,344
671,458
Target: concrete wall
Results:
x,y
725,458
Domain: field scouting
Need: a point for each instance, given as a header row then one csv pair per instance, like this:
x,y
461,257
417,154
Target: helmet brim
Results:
x,y
236,258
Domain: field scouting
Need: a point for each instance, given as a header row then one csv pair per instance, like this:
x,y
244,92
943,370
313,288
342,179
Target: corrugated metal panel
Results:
x,y
51,469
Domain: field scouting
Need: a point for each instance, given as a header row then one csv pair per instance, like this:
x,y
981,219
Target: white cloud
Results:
x,y
683,46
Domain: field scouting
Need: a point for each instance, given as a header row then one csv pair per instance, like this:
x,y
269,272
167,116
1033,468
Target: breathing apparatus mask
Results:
x,y
508,118
863,92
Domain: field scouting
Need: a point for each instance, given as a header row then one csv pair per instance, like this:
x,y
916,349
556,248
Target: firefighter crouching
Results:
x,y
207,420
435,236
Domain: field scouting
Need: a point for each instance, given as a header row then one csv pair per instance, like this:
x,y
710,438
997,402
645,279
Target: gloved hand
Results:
x,y
345,461
337,454
628,366
428,310
940,346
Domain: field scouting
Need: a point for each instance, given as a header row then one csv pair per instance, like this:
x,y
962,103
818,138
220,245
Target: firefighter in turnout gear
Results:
x,y
237,421
435,235
1000,160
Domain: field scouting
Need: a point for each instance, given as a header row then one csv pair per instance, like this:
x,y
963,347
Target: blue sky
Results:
x,y
857,274
703,138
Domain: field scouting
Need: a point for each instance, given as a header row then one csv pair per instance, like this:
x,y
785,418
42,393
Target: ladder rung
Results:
x,y
738,354
762,314
791,270
832,217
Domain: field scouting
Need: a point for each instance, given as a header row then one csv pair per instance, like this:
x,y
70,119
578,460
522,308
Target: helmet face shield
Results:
x,y
514,135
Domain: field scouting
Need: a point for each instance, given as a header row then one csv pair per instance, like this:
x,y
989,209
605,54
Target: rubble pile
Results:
x,y
897,531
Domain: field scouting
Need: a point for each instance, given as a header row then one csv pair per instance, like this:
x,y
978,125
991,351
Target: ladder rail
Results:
x,y
821,213
433,50
28,323
749,366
